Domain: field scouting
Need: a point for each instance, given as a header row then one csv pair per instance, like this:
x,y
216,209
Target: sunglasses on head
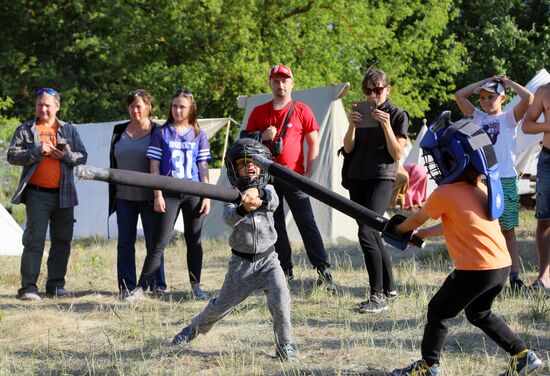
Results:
x,y
377,90
182,91
47,90
136,93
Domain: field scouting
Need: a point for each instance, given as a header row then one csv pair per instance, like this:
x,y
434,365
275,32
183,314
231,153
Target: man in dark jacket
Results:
x,y
48,149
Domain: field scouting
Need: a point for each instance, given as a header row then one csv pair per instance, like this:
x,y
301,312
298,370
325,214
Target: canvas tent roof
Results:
x,y
11,235
329,111
527,146
93,196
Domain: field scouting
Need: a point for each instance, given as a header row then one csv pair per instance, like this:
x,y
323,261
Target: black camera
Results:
x,y
61,144
276,147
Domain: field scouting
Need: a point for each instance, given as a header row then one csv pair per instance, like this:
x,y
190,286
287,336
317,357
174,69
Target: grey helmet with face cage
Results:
x,y
246,148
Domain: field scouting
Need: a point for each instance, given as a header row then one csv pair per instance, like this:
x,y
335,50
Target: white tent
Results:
x,y
527,146
93,196
11,235
329,111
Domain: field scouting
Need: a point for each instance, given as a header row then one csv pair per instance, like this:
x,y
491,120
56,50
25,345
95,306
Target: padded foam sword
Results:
x,y
226,194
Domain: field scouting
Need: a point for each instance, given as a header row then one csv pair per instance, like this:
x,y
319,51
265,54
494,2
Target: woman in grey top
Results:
x,y
128,148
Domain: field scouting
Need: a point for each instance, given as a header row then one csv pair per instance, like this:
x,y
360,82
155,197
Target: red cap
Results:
x,y
280,69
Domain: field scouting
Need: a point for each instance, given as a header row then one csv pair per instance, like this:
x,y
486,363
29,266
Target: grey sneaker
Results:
x,y
186,335
59,292
374,305
286,351
198,293
29,296
524,363
136,294
325,278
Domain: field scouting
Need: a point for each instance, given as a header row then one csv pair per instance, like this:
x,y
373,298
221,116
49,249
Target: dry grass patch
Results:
x,y
96,333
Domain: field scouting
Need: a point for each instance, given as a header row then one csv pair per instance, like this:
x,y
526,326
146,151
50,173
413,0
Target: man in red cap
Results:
x,y
285,136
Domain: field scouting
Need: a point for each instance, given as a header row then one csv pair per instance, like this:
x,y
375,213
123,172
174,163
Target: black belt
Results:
x,y
253,256
42,189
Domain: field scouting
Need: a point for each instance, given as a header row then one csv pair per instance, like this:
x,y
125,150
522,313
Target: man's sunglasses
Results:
x,y
377,90
182,91
47,90
137,93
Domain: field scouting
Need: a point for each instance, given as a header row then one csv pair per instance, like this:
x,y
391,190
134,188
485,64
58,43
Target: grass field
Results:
x,y
96,333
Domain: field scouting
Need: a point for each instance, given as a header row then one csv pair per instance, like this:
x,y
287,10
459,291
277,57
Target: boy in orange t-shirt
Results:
x,y
468,211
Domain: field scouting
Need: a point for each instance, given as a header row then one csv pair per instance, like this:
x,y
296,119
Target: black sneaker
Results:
x,y
325,278
289,276
517,285
286,351
374,305
59,292
186,335
524,363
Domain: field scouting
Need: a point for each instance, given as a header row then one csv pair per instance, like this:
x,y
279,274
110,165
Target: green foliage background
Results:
x,y
95,51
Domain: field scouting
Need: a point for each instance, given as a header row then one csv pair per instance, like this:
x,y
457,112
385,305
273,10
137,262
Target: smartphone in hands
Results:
x,y
61,145
365,108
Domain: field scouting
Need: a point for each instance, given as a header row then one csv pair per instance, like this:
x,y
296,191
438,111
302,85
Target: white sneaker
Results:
x,y
136,294
29,296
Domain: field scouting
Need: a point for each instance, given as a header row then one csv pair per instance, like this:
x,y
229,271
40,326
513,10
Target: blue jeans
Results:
x,y
542,210
300,206
127,216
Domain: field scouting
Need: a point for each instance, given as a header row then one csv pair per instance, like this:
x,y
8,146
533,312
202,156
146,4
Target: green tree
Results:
x,y
8,174
94,51
503,37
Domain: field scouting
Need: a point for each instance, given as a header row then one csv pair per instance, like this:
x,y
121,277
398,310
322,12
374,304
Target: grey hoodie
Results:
x,y
253,232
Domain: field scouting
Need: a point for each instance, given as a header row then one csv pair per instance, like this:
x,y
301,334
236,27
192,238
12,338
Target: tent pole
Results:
x,y
226,140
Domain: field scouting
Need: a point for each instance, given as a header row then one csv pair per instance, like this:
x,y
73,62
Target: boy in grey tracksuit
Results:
x,y
254,264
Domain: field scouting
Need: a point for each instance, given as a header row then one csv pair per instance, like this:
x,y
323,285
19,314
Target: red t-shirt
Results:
x,y
302,121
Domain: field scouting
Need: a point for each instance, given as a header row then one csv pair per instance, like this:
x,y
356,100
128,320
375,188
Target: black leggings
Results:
x,y
375,195
474,292
164,225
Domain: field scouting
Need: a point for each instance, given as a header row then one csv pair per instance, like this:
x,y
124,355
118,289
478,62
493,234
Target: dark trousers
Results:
x,y
43,208
164,225
474,292
375,195
127,213
300,206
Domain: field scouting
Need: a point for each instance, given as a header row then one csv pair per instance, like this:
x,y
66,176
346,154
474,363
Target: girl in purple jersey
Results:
x,y
179,149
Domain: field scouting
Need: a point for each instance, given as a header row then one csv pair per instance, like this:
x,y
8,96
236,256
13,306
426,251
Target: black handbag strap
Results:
x,y
287,118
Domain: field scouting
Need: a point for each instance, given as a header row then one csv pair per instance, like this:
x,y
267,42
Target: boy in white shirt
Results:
x,y
502,130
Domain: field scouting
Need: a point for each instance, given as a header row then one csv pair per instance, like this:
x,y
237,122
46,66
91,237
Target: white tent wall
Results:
x,y
93,196
528,145
329,111
11,235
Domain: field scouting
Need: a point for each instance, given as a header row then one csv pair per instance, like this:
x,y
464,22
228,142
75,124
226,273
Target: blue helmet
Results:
x,y
245,148
450,147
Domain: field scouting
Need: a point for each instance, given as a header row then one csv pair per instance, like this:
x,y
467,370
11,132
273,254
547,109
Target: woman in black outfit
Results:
x,y
376,151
